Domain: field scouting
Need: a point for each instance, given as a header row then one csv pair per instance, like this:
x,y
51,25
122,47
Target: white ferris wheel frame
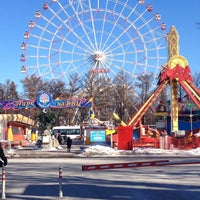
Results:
x,y
95,37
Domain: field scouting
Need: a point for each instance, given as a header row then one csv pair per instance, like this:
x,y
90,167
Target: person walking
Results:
x,y
3,161
69,144
59,137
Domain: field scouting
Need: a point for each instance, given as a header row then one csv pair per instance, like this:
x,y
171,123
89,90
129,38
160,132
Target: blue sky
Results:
x,y
16,15
184,15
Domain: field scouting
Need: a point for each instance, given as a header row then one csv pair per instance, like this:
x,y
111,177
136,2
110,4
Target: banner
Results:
x,y
44,101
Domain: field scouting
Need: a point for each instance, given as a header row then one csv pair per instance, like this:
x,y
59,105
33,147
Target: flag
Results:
x,y
91,112
92,115
91,99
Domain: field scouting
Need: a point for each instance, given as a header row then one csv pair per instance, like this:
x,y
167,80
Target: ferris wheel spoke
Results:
x,y
82,26
127,44
44,30
133,11
40,38
117,68
148,36
103,26
120,15
113,27
48,21
152,41
92,22
118,37
81,67
145,24
139,16
69,28
79,39
41,47
55,36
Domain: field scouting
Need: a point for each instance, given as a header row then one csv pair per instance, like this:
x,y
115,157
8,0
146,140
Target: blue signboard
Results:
x,y
97,136
44,100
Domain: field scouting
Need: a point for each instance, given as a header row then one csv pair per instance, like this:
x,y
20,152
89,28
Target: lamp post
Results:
x,y
191,119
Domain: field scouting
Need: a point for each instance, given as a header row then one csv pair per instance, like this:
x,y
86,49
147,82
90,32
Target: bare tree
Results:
x,y
101,89
103,100
74,90
125,96
8,91
75,85
32,86
56,89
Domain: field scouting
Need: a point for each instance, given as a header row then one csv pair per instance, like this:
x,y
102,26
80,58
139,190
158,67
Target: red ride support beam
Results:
x,y
190,93
145,107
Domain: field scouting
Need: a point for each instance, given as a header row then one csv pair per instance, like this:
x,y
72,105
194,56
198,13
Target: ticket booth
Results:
x,y
15,128
125,138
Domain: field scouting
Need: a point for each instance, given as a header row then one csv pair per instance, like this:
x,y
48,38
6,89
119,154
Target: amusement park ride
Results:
x,y
177,71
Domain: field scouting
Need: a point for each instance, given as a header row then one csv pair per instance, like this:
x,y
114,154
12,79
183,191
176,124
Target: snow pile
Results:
x,y
98,150
171,152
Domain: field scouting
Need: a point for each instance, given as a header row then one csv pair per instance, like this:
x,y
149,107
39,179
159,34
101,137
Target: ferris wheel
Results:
x,y
94,37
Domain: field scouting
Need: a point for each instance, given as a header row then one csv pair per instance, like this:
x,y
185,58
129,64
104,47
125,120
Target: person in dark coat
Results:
x,y
59,137
3,161
69,144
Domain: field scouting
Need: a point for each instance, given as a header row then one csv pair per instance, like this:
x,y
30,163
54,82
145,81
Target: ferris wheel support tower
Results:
x,y
173,50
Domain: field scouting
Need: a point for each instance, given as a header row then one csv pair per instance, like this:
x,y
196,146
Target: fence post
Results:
x,y
3,196
60,181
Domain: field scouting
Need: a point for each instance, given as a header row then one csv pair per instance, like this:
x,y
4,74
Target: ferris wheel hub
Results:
x,y
99,56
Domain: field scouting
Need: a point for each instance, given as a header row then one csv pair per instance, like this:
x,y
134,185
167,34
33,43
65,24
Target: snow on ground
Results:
x,y
98,150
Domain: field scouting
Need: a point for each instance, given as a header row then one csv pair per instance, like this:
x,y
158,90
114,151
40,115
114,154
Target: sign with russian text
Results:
x,y
45,100
97,136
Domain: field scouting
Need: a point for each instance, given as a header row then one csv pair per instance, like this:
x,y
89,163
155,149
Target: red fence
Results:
x,y
147,142
186,142
168,142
